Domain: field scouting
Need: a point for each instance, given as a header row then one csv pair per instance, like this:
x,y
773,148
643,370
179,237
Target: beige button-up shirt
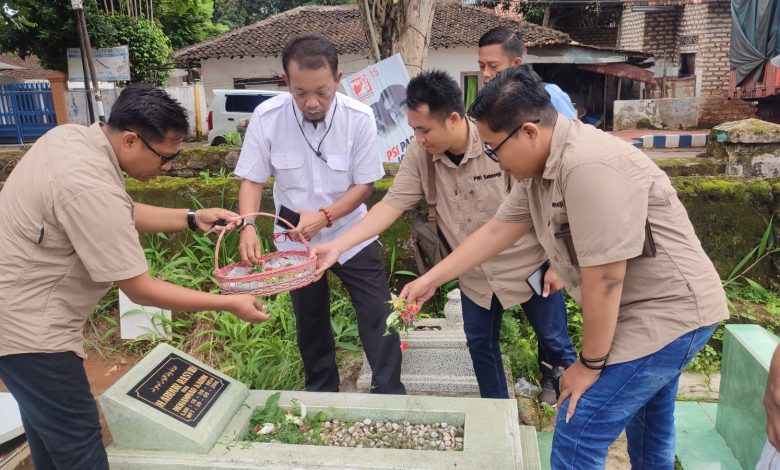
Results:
x,y
603,190
468,196
67,232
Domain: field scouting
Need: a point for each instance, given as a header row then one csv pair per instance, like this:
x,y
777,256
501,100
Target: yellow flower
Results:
x,y
397,302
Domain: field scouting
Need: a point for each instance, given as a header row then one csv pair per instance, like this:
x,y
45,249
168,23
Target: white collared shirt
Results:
x,y
275,147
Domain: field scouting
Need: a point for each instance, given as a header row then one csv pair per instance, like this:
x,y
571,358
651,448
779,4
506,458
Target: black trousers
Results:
x,y
59,414
365,279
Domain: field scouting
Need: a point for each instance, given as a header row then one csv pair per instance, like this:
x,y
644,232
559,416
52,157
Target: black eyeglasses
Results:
x,y
163,158
492,153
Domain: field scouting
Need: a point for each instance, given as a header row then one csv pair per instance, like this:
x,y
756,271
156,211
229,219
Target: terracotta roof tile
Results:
x,y
30,69
454,25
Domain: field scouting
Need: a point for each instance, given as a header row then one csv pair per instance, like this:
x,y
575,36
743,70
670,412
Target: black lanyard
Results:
x,y
327,131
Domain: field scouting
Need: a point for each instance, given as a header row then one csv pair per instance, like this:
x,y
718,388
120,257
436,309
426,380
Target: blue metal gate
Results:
x,y
26,112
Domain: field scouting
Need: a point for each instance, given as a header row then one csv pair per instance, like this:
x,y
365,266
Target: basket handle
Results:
x,y
266,214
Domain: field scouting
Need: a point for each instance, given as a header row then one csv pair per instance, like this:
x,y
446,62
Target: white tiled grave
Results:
x,y
161,431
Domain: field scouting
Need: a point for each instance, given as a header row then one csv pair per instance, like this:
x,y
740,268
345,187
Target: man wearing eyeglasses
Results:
x,y
68,231
621,240
470,187
320,148
499,49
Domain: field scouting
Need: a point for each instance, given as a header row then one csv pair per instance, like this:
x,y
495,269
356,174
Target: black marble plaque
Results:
x,y
179,389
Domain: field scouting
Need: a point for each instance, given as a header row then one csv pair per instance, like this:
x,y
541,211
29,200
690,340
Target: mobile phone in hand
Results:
x,y
536,279
289,215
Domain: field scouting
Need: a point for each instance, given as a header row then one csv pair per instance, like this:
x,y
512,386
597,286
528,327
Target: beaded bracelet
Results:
x,y
328,216
592,363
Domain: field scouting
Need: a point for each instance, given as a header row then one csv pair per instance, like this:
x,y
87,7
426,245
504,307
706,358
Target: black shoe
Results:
x,y
550,391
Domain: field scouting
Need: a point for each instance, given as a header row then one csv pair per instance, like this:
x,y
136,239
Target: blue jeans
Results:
x,y
637,396
482,326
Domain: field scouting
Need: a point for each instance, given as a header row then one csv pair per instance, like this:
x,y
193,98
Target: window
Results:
x,y
470,88
687,65
243,103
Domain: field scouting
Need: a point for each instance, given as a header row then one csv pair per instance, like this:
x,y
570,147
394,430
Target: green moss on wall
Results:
x,y
698,166
730,216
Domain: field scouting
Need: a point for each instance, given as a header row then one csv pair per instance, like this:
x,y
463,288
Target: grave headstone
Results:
x,y
171,401
148,413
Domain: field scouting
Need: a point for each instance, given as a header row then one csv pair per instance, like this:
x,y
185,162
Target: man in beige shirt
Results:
x,y
615,231
469,188
69,230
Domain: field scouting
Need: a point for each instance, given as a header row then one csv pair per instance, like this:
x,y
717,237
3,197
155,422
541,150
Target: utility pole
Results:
x,y
79,9
87,88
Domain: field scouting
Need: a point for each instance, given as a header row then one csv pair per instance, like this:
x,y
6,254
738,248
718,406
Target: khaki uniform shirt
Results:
x,y
604,190
468,196
67,232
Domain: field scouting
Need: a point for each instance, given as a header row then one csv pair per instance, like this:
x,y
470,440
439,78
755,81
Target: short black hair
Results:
x,y
310,52
149,111
438,90
515,96
511,40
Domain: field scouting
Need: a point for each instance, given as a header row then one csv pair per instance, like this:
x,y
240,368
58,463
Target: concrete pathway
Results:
x,y
664,154
633,134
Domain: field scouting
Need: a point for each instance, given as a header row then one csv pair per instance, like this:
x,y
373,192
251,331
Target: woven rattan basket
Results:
x,y
283,270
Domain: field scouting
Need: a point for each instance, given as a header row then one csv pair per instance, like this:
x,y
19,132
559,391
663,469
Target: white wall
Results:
x,y
454,61
218,74
78,112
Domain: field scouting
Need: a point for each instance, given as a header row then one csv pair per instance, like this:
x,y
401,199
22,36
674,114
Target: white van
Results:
x,y
231,105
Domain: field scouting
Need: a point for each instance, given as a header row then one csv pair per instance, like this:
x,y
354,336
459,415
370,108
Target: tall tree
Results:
x,y
47,29
402,26
239,13
187,22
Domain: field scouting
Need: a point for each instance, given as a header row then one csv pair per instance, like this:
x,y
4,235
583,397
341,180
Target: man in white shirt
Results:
x,y
320,147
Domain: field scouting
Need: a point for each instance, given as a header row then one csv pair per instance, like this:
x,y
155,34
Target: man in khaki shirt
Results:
x,y
469,188
69,230
651,298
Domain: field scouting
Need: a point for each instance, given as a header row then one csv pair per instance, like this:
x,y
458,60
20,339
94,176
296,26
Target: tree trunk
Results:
x,y
403,26
415,34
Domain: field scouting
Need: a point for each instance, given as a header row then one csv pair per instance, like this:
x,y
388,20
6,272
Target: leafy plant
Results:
x,y
273,423
233,138
518,343
764,249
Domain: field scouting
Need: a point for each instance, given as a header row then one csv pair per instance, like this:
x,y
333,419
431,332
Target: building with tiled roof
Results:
x,y
454,25
26,69
249,57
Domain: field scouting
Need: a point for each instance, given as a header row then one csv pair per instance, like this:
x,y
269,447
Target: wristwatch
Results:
x,y
247,222
191,220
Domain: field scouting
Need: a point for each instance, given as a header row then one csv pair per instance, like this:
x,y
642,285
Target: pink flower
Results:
x,y
404,345
413,309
